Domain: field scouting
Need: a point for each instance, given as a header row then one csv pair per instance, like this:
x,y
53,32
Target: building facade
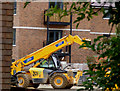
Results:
x,y
31,30
6,32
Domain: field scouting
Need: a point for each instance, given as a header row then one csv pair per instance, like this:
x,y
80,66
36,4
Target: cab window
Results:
x,y
47,63
51,63
44,63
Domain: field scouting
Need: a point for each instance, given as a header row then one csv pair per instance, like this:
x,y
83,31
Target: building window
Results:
x,y
14,36
15,7
54,35
107,16
58,4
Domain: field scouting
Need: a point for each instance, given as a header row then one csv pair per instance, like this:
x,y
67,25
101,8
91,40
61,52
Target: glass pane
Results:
x,y
54,35
14,36
51,37
51,63
44,64
108,15
57,35
59,5
52,4
15,6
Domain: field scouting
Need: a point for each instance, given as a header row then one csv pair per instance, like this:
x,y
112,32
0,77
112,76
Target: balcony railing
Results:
x,y
55,19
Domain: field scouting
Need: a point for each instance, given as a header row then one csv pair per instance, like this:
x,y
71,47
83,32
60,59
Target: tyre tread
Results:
x,y
65,82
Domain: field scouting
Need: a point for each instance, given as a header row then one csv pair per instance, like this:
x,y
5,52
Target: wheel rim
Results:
x,y
58,81
20,81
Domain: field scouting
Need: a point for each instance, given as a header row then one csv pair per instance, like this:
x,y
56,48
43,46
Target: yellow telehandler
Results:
x,y
42,67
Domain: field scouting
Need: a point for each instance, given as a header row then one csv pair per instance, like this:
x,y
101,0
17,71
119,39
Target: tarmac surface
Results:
x,y
45,87
48,87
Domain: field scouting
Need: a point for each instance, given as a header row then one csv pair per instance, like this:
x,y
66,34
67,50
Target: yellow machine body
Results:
x,y
39,73
44,52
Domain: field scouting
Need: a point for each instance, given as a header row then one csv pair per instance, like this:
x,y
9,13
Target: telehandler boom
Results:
x,y
47,68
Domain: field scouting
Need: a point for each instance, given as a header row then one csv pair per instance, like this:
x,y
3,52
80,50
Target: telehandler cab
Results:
x,y
43,67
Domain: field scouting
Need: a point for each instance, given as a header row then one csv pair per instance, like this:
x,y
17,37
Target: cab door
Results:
x,y
41,73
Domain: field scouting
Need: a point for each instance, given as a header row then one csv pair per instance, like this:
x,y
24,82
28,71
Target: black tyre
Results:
x,y
35,85
58,81
69,86
23,81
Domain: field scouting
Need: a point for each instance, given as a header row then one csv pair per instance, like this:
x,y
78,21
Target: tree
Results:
x,y
104,74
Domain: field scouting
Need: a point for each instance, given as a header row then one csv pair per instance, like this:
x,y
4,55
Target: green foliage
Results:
x,y
109,50
90,62
85,10
105,73
82,10
115,14
26,3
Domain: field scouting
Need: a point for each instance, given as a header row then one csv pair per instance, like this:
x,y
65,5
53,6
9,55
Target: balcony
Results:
x,y
55,20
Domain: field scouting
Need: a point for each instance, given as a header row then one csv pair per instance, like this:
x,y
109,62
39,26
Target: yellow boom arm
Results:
x,y
45,52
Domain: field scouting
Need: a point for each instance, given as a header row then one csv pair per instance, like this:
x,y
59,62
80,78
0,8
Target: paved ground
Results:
x,y
49,88
45,87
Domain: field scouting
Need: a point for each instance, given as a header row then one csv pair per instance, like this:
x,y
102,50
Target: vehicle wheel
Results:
x,y
69,86
35,85
58,81
23,81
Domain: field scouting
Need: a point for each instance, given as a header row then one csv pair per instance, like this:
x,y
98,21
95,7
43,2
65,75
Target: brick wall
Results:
x,y
29,40
6,23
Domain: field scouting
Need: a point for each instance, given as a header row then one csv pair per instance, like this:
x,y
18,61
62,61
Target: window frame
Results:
x,y
106,10
15,7
14,37
54,34
61,7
